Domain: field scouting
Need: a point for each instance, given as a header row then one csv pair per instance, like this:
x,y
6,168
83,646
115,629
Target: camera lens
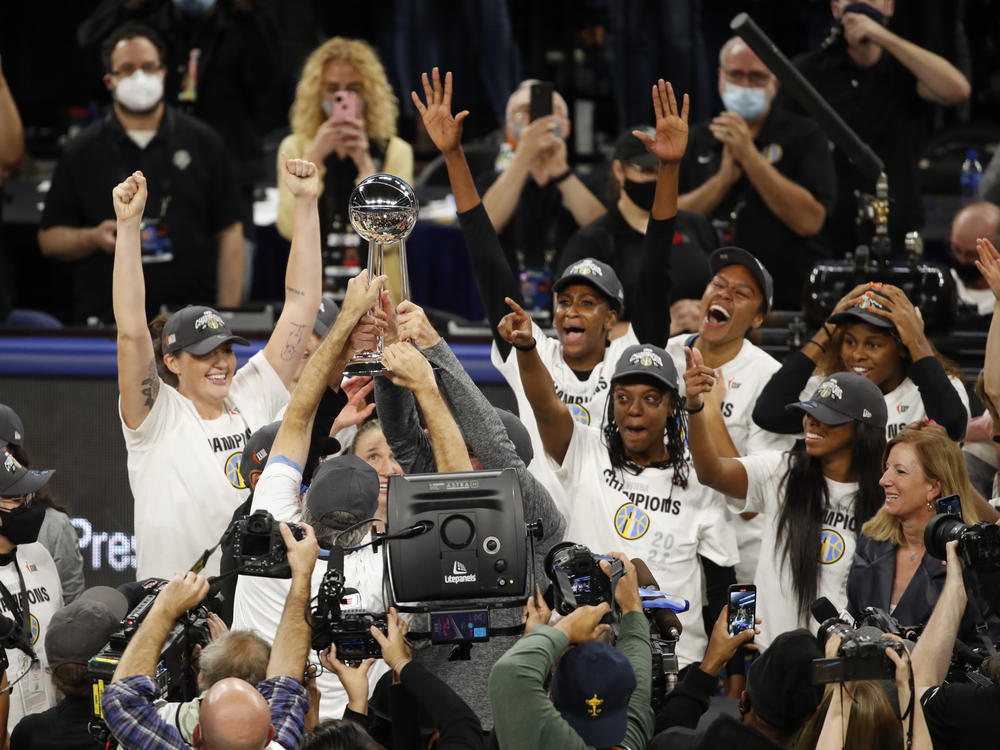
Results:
x,y
940,530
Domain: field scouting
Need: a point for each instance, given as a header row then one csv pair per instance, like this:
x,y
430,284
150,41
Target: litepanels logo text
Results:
x,y
460,574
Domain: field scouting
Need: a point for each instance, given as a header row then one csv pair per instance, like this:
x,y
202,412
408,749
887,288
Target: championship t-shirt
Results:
x,y
585,399
42,595
776,600
650,517
259,602
744,377
903,402
184,471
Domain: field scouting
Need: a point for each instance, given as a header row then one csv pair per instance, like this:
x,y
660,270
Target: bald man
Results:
x,y
979,219
234,715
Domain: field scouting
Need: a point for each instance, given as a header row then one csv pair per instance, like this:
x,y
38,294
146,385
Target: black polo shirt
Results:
x,y
797,148
882,106
188,170
612,240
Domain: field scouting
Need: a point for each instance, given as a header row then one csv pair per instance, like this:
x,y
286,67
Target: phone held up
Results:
x,y
742,610
950,505
540,103
345,106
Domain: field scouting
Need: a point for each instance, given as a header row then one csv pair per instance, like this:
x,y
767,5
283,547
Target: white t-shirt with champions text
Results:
x,y
777,604
585,399
184,470
744,377
649,517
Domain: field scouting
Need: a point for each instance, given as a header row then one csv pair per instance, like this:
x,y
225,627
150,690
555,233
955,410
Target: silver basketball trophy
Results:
x,y
383,210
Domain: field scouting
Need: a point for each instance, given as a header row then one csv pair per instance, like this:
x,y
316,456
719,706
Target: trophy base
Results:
x,y
373,367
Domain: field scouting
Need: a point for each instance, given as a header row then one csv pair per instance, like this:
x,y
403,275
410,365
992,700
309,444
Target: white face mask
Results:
x,y
140,92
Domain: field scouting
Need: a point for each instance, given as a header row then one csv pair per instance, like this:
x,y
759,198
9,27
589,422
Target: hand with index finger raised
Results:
x,y
515,327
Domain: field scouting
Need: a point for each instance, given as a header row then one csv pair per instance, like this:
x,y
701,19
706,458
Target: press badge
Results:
x,y
157,246
33,695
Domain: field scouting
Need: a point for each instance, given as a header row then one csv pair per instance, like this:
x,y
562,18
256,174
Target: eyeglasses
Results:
x,y
126,70
754,78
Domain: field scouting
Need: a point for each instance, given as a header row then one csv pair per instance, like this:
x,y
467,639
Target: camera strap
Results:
x,y
22,614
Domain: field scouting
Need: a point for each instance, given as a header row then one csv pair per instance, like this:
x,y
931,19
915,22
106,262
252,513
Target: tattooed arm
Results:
x,y
138,381
303,275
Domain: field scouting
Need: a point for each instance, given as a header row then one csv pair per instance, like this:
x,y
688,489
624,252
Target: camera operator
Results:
x,y
961,714
599,694
233,714
30,591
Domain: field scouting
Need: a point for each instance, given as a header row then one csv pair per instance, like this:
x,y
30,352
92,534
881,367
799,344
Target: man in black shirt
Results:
x,y
765,177
534,200
880,84
193,242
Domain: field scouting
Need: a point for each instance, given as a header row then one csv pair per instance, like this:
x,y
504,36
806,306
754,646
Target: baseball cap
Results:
x,y
259,444
630,149
80,630
861,311
737,256
780,684
347,484
328,312
518,435
648,360
16,480
11,428
845,397
591,689
197,330
597,274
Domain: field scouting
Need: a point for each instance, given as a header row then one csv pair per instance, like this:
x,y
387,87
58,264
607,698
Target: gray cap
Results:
x,y
347,484
597,274
862,311
11,428
16,480
846,397
649,361
328,312
737,256
197,330
78,631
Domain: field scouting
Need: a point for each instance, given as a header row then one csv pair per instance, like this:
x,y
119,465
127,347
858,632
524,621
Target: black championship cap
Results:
x,y
597,274
649,361
347,484
861,312
197,330
737,256
630,149
15,480
845,397
328,312
11,428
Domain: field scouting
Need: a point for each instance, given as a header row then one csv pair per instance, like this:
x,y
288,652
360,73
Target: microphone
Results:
x,y
420,527
822,609
664,618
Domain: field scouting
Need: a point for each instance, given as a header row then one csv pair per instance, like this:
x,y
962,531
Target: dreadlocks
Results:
x,y
674,436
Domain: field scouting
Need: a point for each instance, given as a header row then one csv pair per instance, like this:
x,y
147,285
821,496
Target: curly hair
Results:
x,y
381,106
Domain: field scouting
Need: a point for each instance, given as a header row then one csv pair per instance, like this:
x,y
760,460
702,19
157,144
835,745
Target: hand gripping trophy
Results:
x,y
383,210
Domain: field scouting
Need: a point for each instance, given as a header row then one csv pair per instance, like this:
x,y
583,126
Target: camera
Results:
x,y
861,655
577,578
978,543
349,632
259,549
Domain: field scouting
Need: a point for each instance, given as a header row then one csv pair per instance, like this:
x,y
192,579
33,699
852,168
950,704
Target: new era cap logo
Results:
x,y
209,319
865,413
17,435
586,268
646,358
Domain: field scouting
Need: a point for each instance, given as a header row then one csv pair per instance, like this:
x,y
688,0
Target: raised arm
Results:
x,y
727,475
932,655
555,423
651,307
138,380
11,129
494,277
292,440
303,274
989,266
293,636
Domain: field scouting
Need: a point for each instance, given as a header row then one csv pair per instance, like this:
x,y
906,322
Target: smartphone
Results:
x,y
540,104
345,106
742,612
950,505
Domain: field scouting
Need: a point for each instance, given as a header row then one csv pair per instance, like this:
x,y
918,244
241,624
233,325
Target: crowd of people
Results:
x,y
652,433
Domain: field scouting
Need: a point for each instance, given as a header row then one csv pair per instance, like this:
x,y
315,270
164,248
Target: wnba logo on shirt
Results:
x,y
579,413
631,521
831,547
233,471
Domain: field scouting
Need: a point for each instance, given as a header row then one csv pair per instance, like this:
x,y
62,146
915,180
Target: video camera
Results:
x,y
350,633
978,543
577,578
258,547
175,675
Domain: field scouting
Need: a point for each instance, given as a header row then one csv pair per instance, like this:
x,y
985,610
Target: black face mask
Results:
x,y
967,273
22,524
641,193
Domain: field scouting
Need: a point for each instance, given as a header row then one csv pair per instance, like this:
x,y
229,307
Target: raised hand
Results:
x,y
414,326
357,410
584,623
130,197
407,366
361,295
184,591
302,553
671,127
989,264
443,128
699,379
395,647
515,327
896,306
300,176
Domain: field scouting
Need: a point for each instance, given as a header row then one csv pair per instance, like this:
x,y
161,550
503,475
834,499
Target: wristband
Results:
x,y
818,345
826,329
561,177
400,663
695,411
527,348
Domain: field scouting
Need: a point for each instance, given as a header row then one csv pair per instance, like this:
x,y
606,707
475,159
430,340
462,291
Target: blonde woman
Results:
x,y
348,138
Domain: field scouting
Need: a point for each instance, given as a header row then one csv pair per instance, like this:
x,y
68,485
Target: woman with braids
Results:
x,y
629,484
815,497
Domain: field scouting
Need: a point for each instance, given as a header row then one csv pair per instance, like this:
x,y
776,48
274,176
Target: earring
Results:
x,y
930,505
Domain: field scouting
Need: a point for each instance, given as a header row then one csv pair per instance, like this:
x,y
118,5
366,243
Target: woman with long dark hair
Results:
x,y
816,496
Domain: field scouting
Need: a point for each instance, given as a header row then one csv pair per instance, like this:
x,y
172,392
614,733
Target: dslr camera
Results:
x,y
349,632
577,578
978,543
861,655
258,548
